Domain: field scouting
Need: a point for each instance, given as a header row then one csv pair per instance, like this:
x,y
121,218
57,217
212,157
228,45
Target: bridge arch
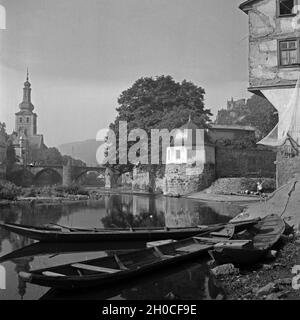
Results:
x,y
78,175
47,176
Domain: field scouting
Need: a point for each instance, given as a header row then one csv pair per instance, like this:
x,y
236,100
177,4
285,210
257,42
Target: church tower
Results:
x,y
26,140
26,119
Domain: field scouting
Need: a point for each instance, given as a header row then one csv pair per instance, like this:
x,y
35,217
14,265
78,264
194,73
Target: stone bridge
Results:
x,y
66,174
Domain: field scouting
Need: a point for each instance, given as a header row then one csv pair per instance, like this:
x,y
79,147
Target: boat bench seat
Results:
x,y
232,244
194,248
161,254
94,268
167,256
53,274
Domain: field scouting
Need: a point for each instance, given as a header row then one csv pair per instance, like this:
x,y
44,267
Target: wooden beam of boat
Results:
x,y
218,240
88,267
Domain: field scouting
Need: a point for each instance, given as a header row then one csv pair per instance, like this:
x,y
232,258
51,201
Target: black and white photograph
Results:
x,y
149,151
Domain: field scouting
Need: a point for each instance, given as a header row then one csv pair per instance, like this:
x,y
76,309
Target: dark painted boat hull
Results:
x,y
237,256
48,235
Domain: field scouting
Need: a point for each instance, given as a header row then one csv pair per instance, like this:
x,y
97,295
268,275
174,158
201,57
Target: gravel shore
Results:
x,y
270,280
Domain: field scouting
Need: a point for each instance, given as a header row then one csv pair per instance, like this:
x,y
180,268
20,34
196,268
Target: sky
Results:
x,y
82,54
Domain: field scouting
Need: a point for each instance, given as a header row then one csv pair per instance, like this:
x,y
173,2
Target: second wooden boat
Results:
x,y
263,235
115,268
122,266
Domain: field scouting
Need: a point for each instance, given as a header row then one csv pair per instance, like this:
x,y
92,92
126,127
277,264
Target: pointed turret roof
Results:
x,y
189,128
26,105
189,125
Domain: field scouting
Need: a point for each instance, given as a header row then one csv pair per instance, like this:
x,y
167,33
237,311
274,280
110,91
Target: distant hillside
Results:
x,y
83,150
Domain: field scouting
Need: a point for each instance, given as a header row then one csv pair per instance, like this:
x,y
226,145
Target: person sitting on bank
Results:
x,y
260,188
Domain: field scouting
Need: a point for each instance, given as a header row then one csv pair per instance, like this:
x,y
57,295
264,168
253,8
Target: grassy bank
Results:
x,y
11,192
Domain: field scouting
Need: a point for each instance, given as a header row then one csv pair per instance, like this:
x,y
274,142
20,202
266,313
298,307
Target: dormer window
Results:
x,y
288,52
285,7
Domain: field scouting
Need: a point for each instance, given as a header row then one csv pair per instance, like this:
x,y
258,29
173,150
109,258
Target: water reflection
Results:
x,y
110,211
190,281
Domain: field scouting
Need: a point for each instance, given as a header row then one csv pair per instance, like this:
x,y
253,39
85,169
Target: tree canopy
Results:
x,y
3,130
161,103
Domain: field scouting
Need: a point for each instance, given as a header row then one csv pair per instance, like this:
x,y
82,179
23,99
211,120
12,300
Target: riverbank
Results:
x,y
12,194
270,280
235,190
213,197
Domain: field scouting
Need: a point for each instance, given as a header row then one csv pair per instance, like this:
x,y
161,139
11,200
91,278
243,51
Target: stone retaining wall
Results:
x,y
288,166
184,178
233,162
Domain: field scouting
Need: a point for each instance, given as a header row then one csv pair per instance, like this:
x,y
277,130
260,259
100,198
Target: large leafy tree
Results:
x,y
258,112
10,157
160,103
261,114
3,130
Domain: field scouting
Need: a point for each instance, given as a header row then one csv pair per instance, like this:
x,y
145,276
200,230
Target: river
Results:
x,y
189,281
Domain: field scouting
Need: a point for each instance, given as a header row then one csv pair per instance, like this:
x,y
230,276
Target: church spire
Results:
x,y
26,103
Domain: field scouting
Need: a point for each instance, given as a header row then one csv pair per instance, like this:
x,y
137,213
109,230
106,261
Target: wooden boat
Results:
x,y
66,234
119,267
264,234
184,281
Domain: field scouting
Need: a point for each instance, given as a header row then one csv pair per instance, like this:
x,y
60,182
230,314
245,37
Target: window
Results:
x,y
289,52
20,120
285,7
178,155
27,119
